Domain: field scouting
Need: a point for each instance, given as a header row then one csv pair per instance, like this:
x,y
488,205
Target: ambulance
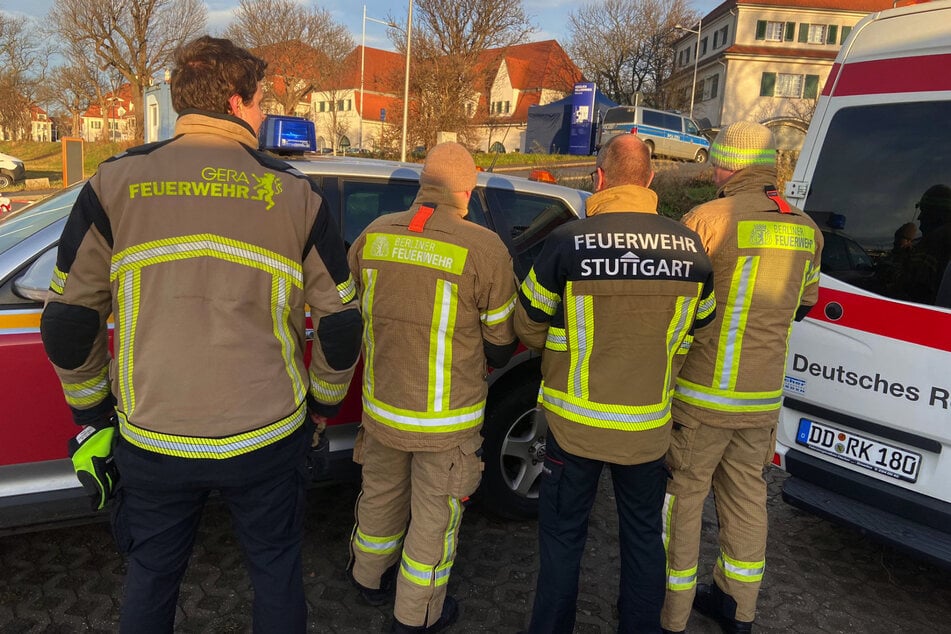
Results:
x,y
865,427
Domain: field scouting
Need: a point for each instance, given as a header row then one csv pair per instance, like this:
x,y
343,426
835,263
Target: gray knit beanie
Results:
x,y
743,144
449,166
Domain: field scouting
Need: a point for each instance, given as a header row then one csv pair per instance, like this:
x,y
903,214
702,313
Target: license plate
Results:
x,y
858,450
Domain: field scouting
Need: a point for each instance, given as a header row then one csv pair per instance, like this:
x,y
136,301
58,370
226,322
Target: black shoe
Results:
x,y
712,602
376,596
450,611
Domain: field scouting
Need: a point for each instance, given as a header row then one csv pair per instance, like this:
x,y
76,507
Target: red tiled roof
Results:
x,y
537,65
383,72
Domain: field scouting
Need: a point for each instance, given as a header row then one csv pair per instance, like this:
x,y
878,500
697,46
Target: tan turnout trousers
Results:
x,y
409,513
732,460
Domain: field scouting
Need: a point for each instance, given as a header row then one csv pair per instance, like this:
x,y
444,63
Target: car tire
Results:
x,y
5,181
513,447
701,156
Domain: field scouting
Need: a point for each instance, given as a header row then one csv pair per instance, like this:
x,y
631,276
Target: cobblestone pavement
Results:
x,y
820,577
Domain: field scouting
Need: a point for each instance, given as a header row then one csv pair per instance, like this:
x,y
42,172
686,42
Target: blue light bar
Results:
x,y
284,134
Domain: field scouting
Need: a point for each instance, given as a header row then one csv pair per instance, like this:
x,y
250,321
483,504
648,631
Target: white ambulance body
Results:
x,y
865,429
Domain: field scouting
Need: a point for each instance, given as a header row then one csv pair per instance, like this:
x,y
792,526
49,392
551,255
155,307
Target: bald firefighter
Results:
x,y
765,257
610,301
439,293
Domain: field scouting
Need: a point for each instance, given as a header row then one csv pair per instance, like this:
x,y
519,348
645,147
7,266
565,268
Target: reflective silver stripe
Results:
x,y
745,571
733,321
682,582
499,315
725,400
422,419
327,392
347,290
377,547
441,342
421,577
280,290
88,392
540,297
556,340
616,417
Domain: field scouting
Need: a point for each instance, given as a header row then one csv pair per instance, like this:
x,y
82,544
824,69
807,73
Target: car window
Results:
x,y
673,122
691,127
653,118
22,224
873,184
365,201
524,221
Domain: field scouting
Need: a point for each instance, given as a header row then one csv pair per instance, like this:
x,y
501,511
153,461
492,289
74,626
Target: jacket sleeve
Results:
x,y
496,303
331,293
539,297
73,324
810,291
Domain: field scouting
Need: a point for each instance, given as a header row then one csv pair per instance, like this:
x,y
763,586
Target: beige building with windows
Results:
x,y
763,60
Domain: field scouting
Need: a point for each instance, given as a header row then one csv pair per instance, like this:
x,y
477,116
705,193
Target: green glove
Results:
x,y
91,453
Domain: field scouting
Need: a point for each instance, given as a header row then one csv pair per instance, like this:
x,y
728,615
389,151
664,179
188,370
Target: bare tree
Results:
x,y
302,45
626,46
135,37
450,59
23,63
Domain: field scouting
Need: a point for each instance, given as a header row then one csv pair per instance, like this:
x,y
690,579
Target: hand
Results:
x,y
91,453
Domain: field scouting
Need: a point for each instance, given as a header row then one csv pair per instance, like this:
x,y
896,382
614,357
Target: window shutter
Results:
x,y
833,33
761,29
790,31
716,39
845,33
803,32
767,85
714,85
811,88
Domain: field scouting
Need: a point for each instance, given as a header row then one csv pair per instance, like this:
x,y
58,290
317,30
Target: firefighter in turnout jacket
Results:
x,y
611,302
726,407
205,252
437,293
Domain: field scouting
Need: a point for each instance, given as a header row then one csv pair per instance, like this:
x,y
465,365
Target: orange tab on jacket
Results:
x,y
773,194
421,218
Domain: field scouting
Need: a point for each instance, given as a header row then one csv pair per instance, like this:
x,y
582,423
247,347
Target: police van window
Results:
x,y
524,221
365,201
883,183
619,115
673,122
653,118
691,128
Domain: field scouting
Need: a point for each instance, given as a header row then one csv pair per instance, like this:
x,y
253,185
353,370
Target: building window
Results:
x,y
508,107
789,85
711,87
818,33
775,31
720,37
703,46
845,33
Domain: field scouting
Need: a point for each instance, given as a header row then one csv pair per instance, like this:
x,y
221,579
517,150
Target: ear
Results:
x,y
651,179
235,104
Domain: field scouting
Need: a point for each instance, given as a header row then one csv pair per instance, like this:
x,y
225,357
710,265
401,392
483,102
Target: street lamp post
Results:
x,y
363,54
409,31
696,60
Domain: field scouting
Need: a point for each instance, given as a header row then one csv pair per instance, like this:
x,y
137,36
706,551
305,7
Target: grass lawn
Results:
x,y
45,160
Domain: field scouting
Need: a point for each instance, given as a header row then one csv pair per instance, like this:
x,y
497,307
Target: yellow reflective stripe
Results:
x,y
788,236
325,392
369,344
667,515
449,541
727,400
733,326
441,332
579,317
557,339
206,245
754,156
539,296
605,415
677,331
347,290
685,344
812,276
280,323
680,580
213,448
707,306
127,301
412,420
58,281
378,545
499,315
90,392
416,251
415,572
743,571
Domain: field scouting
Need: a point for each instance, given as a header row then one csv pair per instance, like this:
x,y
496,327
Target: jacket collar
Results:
x,y
623,198
748,180
225,125
444,201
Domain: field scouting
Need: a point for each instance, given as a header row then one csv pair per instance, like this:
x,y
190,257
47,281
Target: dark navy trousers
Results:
x,y
155,523
568,489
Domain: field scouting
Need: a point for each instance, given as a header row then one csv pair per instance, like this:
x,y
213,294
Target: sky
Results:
x,y
549,16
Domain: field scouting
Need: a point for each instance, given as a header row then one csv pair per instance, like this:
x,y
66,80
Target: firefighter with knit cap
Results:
x,y
765,256
438,293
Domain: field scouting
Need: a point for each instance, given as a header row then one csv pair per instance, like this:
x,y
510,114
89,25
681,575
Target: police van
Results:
x,y
665,133
865,428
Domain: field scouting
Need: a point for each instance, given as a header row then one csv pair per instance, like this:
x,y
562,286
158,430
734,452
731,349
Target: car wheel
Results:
x,y
701,156
650,146
5,181
514,451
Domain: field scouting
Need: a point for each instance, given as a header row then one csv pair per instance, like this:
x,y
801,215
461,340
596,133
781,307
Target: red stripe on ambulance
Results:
x,y
924,73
